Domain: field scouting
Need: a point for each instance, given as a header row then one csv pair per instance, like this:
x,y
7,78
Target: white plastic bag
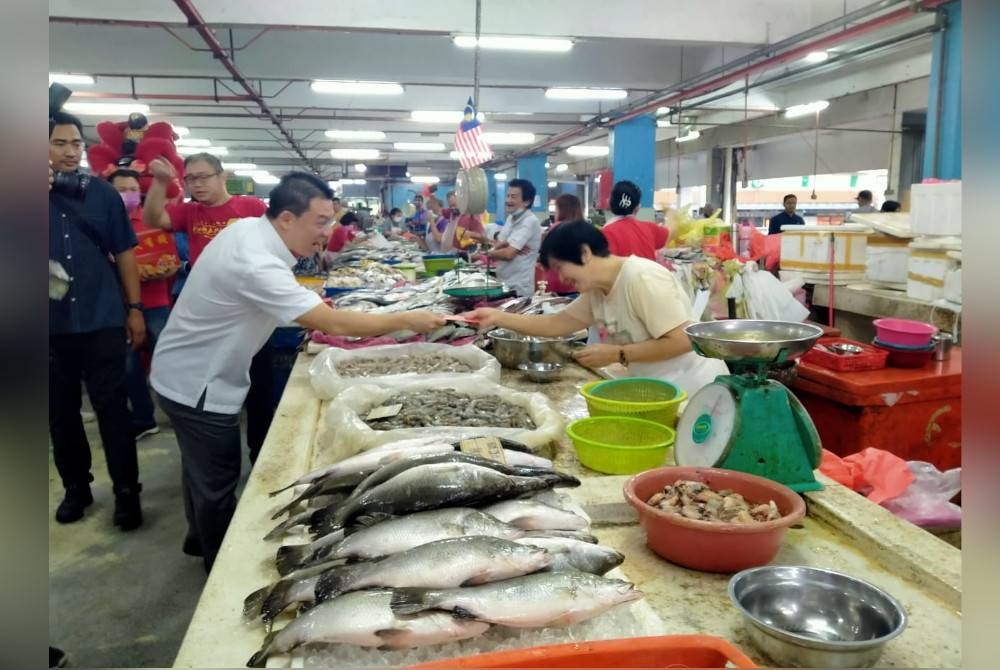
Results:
x,y
767,298
925,502
327,381
346,427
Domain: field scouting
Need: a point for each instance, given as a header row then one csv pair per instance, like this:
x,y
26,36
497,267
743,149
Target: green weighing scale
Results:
x,y
745,421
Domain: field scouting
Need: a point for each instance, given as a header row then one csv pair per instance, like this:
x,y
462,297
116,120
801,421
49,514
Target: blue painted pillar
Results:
x,y
633,154
943,148
532,168
568,188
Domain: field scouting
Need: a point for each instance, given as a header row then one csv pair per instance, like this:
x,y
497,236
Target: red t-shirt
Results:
x,y
152,292
553,284
629,237
203,223
340,236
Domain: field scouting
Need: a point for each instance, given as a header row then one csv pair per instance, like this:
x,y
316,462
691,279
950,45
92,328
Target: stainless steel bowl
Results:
x,y
512,349
541,372
747,341
814,618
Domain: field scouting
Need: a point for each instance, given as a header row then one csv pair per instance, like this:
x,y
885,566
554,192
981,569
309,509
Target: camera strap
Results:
x,y
75,210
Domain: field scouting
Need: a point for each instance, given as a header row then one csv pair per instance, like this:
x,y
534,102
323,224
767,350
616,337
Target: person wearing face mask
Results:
x,y
155,296
640,305
395,221
516,250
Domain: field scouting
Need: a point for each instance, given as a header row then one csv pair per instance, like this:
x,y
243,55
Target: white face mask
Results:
x,y
397,219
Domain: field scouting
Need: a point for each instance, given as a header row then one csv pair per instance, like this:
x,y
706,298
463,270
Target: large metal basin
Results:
x,y
748,341
512,349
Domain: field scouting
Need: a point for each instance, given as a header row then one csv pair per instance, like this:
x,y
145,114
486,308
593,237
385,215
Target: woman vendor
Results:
x,y
640,304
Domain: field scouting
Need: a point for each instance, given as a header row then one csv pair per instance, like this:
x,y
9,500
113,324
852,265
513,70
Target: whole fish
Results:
x,y
338,486
457,561
430,487
292,557
560,500
533,515
534,601
569,554
364,618
515,457
297,587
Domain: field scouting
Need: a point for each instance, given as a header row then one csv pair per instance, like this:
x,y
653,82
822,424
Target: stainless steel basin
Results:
x,y
749,341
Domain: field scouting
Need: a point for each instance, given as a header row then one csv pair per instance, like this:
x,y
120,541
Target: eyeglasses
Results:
x,y
191,179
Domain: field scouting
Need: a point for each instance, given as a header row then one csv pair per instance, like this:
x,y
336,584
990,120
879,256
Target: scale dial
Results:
x,y
471,191
707,427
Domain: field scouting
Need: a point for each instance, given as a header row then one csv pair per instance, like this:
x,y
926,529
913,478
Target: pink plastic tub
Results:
x,y
904,331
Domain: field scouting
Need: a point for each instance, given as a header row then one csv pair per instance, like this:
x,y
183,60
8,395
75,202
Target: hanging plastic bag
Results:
x,y
925,502
767,298
874,473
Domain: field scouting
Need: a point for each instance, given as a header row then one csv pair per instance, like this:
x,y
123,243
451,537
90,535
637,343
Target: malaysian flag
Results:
x,y
469,141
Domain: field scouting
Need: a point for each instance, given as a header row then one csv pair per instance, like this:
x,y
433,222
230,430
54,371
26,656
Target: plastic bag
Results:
x,y
925,502
345,426
874,473
767,298
327,381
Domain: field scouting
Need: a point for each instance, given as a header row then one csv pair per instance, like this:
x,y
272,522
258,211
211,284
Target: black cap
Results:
x,y
625,197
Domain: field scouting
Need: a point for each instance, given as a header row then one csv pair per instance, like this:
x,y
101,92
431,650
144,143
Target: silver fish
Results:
x,y
569,554
533,515
534,601
441,333
292,557
364,618
298,587
560,500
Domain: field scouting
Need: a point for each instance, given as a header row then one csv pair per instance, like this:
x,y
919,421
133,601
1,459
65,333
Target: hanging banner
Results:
x,y
470,144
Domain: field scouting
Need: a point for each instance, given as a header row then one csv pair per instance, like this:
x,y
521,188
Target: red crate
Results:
x,y
872,358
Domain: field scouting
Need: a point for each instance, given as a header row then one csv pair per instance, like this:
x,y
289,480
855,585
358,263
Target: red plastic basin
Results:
x,y
706,545
906,358
904,331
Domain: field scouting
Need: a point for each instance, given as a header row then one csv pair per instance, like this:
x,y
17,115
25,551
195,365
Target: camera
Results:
x,y
71,184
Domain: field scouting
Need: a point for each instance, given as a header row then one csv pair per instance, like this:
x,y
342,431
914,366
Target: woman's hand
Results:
x,y
422,321
598,355
484,317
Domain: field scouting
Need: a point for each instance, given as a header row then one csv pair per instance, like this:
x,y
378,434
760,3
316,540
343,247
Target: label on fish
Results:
x,y
487,447
384,412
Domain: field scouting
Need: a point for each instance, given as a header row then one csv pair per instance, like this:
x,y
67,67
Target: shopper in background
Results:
x,y
568,208
708,210
342,233
155,292
436,223
787,217
519,240
239,291
90,327
890,206
395,222
626,235
640,305
864,200
417,224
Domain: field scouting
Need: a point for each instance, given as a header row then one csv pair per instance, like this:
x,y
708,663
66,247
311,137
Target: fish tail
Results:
x,y
259,660
252,603
325,521
333,583
284,488
276,601
312,490
411,601
290,557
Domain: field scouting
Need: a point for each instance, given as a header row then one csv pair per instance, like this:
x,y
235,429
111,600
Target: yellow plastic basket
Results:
x,y
637,397
619,445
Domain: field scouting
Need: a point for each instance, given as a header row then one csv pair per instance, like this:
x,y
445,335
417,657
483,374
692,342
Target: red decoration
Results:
x,y
132,145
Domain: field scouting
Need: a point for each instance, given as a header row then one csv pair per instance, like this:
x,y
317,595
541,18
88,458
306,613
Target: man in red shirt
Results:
x,y
627,236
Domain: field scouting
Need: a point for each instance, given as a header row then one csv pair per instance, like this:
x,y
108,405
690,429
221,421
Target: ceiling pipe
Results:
x,y
198,23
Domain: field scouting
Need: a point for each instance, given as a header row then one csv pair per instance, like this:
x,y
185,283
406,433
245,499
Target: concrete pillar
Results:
x,y
633,157
943,149
533,169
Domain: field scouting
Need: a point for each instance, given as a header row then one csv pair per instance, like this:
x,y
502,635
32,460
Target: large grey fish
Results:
x,y
338,486
534,601
364,618
533,515
430,487
394,535
569,554
561,500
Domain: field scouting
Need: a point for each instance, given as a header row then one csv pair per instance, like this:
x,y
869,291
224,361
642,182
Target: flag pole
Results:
x,y
475,75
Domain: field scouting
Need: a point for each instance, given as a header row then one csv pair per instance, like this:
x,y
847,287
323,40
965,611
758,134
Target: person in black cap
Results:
x,y
626,235
865,202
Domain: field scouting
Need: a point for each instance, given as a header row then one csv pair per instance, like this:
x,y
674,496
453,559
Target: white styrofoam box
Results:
x,y
888,259
807,249
952,290
936,209
926,271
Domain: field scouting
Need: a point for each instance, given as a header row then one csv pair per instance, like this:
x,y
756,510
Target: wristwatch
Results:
x,y
622,358
135,305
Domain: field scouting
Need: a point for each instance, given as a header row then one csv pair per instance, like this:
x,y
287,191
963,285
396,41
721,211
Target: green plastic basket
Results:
x,y
435,263
637,397
619,445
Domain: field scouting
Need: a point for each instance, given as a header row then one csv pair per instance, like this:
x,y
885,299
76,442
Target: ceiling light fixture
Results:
x,y
418,146
547,165
359,154
585,93
106,108
440,116
660,111
193,142
691,135
816,56
181,131
355,134
806,109
250,172
588,150
552,184
64,78
454,155
424,179
360,167
357,87
509,138
266,179
663,123
553,45
239,166
562,167
215,151
500,176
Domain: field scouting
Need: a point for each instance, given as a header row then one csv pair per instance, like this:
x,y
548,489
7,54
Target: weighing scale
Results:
x,y
745,421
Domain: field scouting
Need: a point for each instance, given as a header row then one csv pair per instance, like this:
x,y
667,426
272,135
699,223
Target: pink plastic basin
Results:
x,y
904,331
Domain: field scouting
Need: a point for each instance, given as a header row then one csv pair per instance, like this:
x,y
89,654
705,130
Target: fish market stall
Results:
x,y
842,531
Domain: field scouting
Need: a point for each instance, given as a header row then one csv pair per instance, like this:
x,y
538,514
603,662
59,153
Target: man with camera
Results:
x,y
97,316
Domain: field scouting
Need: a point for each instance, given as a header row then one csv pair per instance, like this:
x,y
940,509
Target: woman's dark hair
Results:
x,y
348,219
294,193
568,208
625,197
393,212
565,243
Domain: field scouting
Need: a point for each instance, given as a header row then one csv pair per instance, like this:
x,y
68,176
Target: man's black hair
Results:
x,y
295,192
418,197
865,195
625,197
61,118
565,243
394,211
334,199
123,172
527,190
891,206
790,195
349,218
211,159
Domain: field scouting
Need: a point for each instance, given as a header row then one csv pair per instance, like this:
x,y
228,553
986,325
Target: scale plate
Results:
x,y
707,427
753,342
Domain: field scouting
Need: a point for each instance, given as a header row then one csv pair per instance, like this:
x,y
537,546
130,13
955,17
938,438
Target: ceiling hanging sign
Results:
x,y
472,148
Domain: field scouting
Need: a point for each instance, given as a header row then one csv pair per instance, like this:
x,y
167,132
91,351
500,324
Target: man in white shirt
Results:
x,y
240,290
516,251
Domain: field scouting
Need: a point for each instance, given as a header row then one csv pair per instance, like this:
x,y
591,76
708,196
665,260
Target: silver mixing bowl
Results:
x,y
748,341
512,349
541,372
814,618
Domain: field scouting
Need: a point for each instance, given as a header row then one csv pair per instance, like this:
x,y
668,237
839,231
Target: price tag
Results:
x,y
486,447
384,412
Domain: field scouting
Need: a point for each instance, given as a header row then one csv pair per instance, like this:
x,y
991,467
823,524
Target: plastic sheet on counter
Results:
x,y
328,382
926,501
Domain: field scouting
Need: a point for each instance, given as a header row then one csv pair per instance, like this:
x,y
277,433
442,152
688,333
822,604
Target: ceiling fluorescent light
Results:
x,y
418,146
440,116
454,155
816,56
355,134
509,138
251,172
215,151
360,167
692,135
106,108
266,179
552,184
181,131
500,176
63,78
562,167
660,111
588,150
357,87
663,123
557,45
239,166
358,154
424,179
585,93
806,109
193,142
